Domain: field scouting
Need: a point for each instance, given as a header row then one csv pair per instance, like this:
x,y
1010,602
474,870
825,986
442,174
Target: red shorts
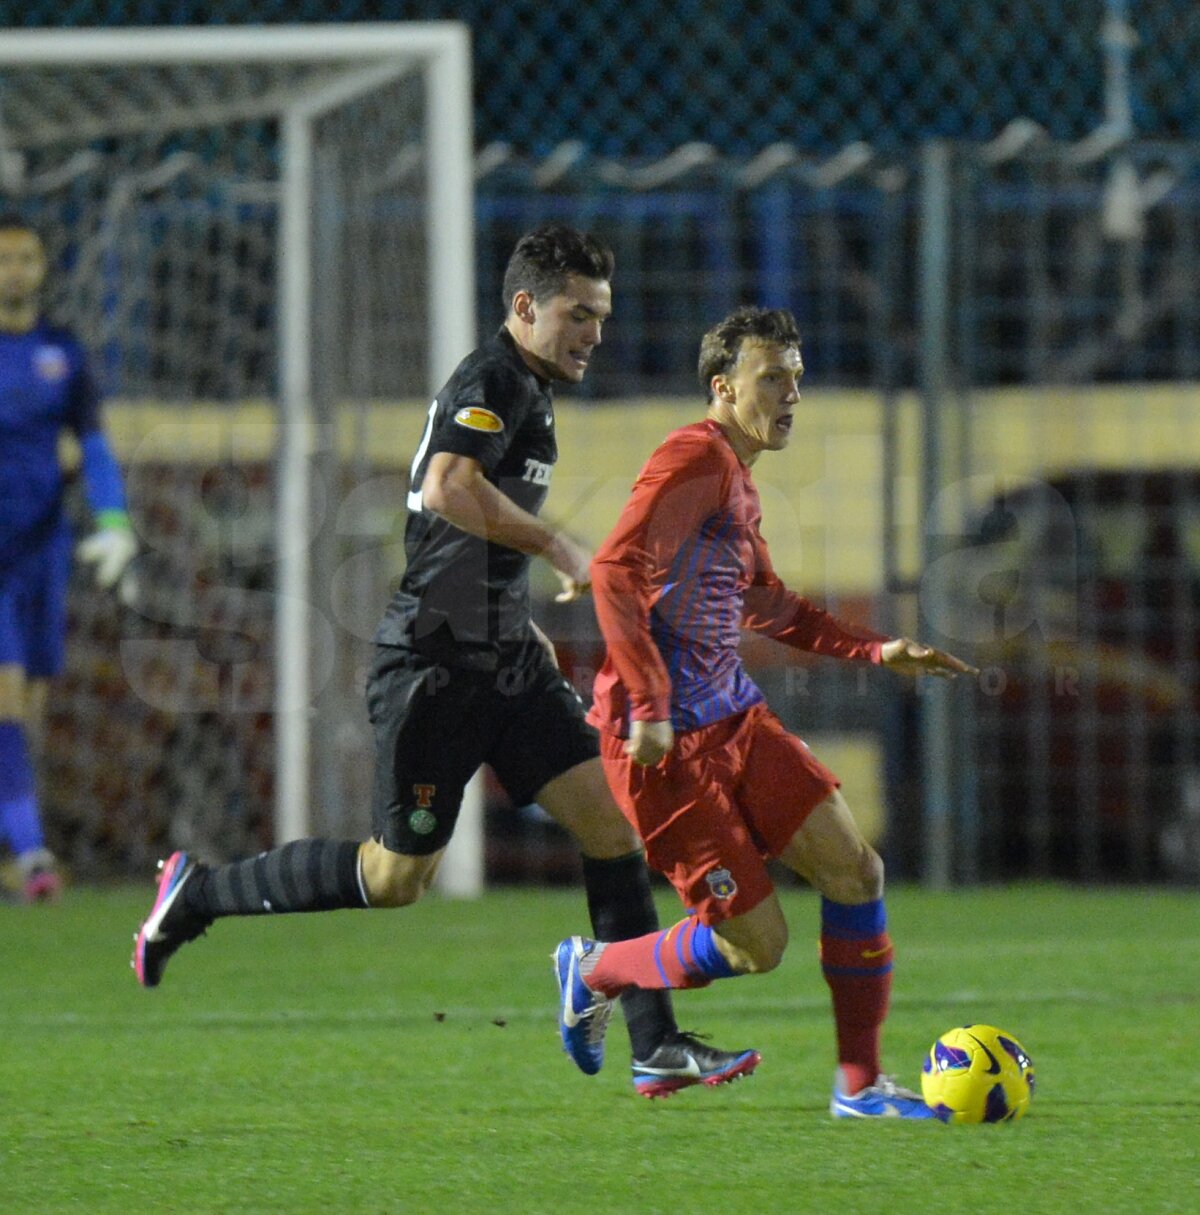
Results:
x,y
727,799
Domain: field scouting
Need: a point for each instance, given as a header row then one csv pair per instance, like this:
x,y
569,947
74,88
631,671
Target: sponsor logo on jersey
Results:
x,y
721,883
475,417
50,363
422,822
537,471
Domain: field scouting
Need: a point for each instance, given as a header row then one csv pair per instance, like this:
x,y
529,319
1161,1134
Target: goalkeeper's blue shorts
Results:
x,y
33,608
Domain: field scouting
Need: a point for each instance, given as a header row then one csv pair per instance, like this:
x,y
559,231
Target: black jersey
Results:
x,y
463,600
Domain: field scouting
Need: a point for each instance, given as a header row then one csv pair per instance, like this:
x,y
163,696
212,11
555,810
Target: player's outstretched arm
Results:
x,y
455,488
914,658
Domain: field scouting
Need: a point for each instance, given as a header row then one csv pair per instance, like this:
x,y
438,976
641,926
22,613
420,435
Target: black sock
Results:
x,y
622,907
306,875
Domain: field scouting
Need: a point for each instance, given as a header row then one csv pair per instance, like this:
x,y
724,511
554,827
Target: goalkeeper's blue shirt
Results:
x,y
45,387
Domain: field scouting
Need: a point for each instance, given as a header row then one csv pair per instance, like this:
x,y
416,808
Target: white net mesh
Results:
x,y
157,190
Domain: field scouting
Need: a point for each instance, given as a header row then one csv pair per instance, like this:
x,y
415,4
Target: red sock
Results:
x,y
859,974
657,960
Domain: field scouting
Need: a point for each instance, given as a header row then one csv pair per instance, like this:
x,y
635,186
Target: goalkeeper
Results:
x,y
45,387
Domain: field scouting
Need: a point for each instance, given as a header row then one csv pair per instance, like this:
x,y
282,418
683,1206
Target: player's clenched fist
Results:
x,y
649,741
570,561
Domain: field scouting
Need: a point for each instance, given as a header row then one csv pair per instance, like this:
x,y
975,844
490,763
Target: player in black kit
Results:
x,y
462,676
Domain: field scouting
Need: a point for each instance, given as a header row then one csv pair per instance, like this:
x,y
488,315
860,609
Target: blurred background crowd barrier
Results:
x,y
986,218
640,78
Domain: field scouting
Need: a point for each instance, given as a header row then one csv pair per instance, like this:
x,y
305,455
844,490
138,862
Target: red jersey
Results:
x,y
683,571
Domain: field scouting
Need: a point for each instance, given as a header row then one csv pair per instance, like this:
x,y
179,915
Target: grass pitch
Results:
x,y
408,1062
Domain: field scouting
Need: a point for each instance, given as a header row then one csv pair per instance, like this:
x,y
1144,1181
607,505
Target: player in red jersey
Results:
x,y
698,764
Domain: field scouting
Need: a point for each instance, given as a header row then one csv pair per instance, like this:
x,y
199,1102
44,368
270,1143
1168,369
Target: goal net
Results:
x,y
264,238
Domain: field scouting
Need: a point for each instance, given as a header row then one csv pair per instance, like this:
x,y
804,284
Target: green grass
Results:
x,y
408,1062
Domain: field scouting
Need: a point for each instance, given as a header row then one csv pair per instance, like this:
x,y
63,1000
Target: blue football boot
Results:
x,y
883,1099
583,1014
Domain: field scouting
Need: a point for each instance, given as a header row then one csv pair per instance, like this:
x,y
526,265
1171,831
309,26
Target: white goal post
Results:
x,y
346,174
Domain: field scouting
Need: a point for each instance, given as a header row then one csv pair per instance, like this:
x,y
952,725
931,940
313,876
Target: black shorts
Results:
x,y
435,724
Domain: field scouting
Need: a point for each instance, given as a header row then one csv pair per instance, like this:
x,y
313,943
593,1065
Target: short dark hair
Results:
x,y
545,257
14,220
721,345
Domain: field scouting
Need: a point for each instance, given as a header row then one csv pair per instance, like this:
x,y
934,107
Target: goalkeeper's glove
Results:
x,y
110,548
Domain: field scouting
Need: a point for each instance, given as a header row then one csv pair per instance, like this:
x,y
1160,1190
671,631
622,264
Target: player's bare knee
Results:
x,y
871,875
860,881
580,801
392,880
397,892
857,879
764,957
757,955
36,695
12,694
600,830
608,841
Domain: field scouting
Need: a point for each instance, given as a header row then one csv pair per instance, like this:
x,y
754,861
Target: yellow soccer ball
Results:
x,y
977,1074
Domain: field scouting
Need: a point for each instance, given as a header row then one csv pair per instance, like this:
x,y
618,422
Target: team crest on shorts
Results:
x,y
721,883
422,822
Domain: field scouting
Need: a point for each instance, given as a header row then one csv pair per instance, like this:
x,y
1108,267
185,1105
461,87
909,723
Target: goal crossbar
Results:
x,y
247,43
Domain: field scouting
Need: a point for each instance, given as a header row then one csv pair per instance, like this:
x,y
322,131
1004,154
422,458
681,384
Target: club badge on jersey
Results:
x,y
475,417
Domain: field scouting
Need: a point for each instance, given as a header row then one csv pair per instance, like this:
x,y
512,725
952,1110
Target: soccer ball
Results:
x,y
977,1074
